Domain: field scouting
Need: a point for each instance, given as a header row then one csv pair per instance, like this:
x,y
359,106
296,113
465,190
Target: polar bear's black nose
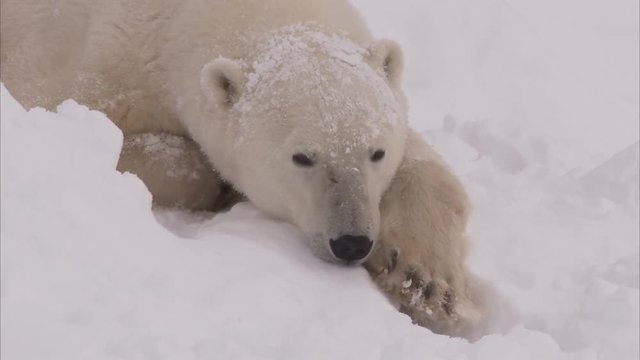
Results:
x,y
350,247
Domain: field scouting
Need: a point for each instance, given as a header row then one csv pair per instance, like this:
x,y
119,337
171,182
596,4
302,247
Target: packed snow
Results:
x,y
535,106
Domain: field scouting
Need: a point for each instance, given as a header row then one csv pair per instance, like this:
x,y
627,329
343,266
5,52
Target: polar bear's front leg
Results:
x,y
419,258
176,172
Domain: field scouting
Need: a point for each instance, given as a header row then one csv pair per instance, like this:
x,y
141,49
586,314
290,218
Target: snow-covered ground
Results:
x,y
535,105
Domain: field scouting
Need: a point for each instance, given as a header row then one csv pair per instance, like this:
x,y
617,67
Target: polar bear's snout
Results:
x,y
352,221
351,247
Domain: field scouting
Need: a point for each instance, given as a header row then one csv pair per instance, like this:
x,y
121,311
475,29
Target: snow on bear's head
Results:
x,y
319,127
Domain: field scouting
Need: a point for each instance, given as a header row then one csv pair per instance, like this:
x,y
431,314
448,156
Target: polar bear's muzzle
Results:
x,y
351,232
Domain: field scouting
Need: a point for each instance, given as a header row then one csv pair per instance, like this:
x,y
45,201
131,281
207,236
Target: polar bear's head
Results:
x,y
317,127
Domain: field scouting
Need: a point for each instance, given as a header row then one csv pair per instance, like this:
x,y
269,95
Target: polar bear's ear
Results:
x,y
222,80
386,56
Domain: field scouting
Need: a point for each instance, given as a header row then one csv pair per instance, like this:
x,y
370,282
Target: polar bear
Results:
x,y
291,102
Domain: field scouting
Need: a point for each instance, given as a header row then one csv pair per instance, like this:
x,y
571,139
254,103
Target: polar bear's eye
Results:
x,y
377,155
302,160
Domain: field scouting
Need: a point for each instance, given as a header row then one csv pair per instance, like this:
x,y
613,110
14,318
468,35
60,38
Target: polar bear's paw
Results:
x,y
436,302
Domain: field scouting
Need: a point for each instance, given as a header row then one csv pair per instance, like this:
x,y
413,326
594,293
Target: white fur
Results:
x,y
313,93
254,82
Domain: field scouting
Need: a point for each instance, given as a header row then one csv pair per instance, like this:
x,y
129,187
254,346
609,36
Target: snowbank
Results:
x,y
89,272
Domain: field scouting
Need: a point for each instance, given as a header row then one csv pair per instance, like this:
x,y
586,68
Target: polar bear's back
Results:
x,y
129,58
92,51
